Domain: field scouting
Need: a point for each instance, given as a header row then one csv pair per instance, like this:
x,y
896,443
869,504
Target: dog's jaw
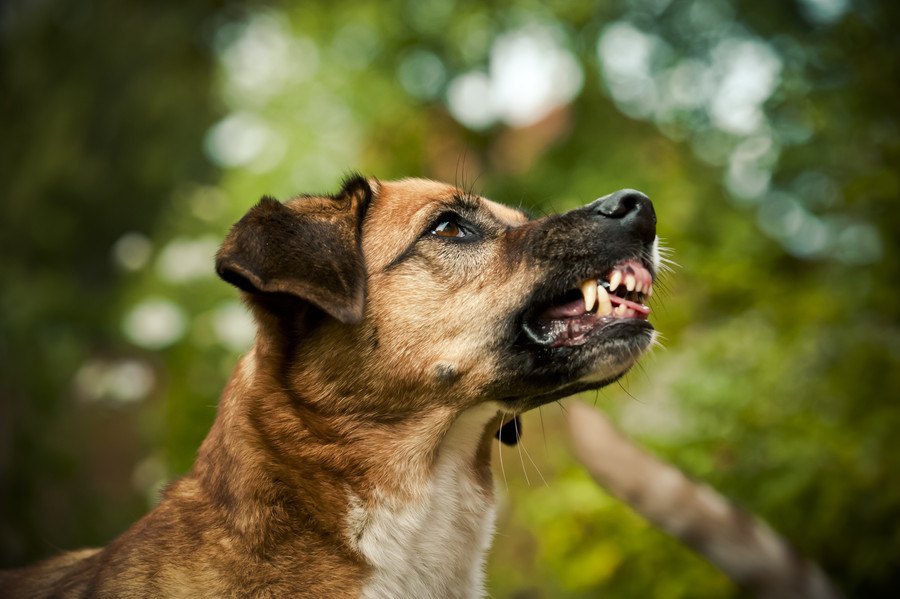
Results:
x,y
570,340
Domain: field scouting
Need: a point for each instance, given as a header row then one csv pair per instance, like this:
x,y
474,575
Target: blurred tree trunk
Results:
x,y
744,547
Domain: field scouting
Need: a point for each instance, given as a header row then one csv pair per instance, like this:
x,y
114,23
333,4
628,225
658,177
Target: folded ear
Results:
x,y
308,248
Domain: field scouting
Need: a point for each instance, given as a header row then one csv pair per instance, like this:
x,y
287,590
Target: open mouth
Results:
x,y
572,317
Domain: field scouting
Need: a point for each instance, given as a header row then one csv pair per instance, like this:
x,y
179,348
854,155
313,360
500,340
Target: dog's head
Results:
x,y
400,295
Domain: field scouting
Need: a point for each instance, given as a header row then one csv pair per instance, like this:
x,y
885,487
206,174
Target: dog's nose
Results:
x,y
630,209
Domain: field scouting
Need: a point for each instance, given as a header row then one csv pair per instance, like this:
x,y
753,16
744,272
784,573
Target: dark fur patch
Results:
x,y
445,373
510,431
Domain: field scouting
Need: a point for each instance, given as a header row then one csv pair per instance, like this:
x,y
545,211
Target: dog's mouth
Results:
x,y
571,318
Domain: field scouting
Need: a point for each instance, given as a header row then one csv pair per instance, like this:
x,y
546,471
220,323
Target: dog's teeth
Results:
x,y
620,310
604,305
648,291
639,286
630,282
589,291
615,279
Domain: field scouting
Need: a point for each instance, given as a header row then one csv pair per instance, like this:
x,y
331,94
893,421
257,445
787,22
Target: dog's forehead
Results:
x,y
404,198
405,207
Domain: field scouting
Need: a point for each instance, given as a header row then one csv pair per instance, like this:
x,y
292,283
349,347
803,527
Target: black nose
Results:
x,y
630,209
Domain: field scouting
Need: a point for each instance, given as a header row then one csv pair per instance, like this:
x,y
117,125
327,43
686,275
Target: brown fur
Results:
x,y
372,339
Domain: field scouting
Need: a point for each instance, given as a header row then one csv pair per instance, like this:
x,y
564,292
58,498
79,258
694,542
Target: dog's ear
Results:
x,y
510,431
308,248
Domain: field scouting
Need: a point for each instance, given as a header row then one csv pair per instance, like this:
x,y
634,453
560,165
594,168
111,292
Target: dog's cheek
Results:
x,y
449,324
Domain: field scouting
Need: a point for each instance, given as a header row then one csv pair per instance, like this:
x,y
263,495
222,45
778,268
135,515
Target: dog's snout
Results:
x,y
622,203
630,209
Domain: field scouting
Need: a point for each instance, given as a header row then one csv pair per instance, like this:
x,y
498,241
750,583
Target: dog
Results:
x,y
401,327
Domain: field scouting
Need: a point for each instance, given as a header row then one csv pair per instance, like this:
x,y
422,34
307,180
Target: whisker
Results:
x,y
461,161
621,386
500,455
525,449
519,448
667,262
643,371
543,430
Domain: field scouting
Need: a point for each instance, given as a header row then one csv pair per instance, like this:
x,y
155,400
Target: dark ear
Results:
x,y
308,248
510,431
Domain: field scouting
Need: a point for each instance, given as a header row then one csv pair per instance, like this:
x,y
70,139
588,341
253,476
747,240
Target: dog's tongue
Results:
x,y
575,307
641,308
565,310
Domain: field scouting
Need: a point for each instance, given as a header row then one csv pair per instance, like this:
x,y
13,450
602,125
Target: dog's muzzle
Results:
x,y
629,210
611,283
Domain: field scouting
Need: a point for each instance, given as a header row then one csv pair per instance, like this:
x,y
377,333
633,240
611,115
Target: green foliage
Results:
x,y
103,106
134,134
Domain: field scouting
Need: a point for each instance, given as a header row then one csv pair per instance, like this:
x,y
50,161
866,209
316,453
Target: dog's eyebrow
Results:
x,y
464,201
474,207
460,202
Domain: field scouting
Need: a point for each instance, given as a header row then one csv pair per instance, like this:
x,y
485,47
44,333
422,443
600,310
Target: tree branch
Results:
x,y
742,546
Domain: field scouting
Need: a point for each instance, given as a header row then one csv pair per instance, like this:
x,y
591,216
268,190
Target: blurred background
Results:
x,y
133,133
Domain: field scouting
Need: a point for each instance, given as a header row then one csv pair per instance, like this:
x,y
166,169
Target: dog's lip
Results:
x,y
576,314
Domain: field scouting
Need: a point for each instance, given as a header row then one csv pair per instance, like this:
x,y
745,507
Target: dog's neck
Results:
x,y
431,543
411,499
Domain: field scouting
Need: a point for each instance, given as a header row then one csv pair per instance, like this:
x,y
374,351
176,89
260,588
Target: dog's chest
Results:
x,y
433,546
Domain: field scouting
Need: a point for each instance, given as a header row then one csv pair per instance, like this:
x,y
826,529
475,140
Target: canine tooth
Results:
x,y
629,282
615,279
589,291
604,305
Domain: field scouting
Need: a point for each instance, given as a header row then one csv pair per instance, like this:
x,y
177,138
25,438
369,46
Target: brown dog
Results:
x,y
400,324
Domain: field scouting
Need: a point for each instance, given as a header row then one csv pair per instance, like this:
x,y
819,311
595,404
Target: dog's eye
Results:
x,y
447,226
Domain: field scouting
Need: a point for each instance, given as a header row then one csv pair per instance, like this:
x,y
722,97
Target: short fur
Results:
x,y
351,452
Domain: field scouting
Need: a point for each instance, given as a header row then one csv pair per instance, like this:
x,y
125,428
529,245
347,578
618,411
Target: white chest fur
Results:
x,y
434,545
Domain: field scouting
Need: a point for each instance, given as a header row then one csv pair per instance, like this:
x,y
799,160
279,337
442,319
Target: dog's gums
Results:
x,y
571,318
